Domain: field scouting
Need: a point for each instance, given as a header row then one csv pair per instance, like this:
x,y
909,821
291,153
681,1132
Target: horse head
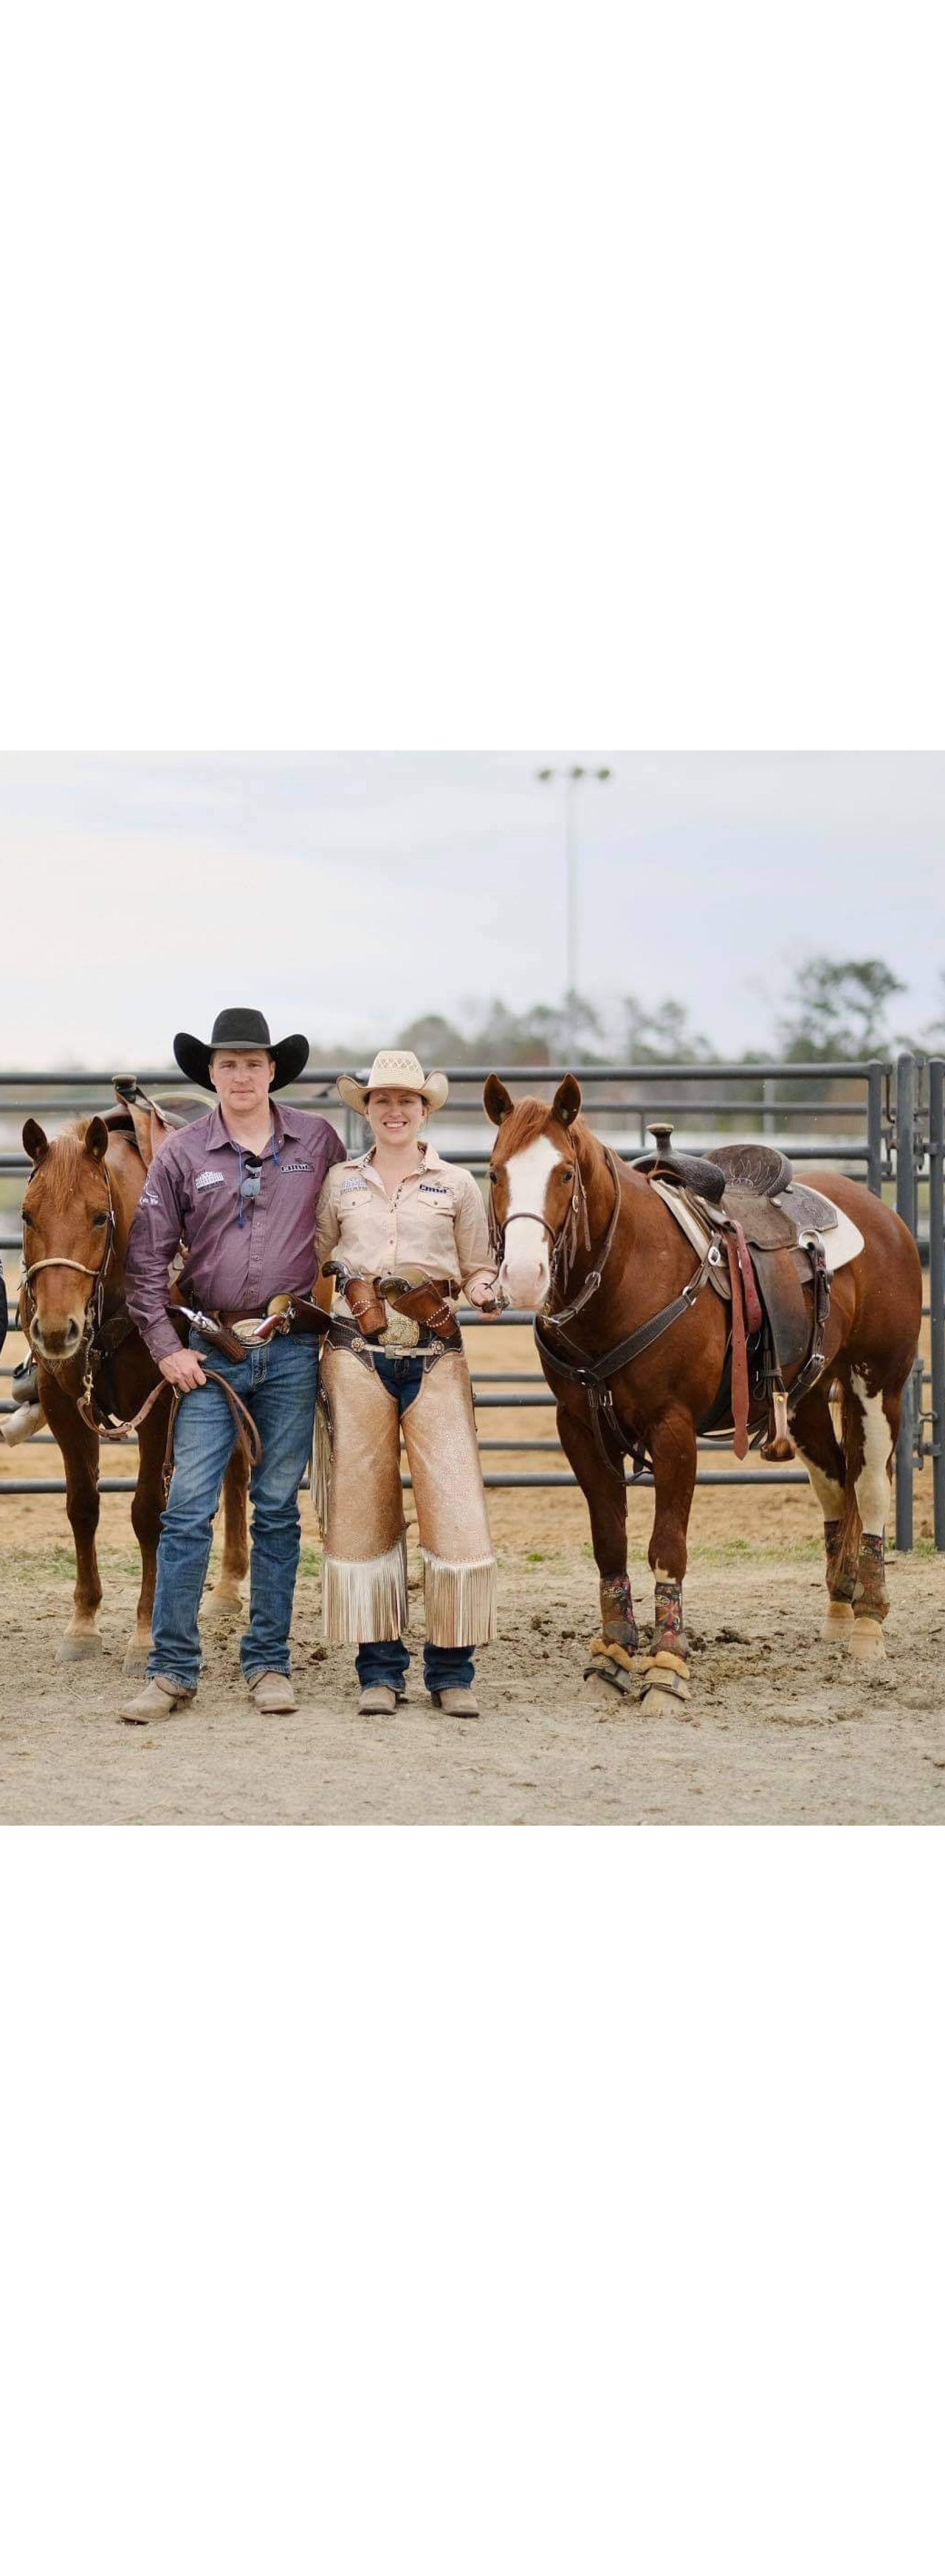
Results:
x,y
68,1235
534,1178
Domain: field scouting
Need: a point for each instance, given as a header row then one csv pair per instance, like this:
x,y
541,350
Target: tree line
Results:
x,y
835,1011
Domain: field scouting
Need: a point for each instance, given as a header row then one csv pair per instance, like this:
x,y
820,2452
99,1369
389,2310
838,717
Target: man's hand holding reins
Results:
x,y
182,1369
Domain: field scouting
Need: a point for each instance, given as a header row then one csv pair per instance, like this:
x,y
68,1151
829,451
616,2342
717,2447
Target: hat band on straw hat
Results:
x,y
394,1069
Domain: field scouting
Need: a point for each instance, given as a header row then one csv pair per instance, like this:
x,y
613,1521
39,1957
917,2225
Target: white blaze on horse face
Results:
x,y
872,1484
525,1274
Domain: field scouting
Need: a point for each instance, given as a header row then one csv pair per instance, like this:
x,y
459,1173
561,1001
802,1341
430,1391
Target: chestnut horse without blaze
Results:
x,y
557,1200
77,1210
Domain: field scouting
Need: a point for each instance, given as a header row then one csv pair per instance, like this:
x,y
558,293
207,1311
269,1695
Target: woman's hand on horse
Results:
x,y
182,1369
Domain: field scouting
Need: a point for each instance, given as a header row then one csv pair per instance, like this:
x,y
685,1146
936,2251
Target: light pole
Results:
x,y
572,779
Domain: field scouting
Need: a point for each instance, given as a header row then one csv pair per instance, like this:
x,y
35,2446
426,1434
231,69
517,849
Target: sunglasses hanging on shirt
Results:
x,y
250,1179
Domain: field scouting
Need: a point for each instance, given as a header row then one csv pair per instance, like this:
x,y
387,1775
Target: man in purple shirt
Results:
x,y
240,1189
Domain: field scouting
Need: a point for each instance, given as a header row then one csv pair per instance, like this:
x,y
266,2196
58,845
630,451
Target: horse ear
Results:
x,y
35,1141
567,1101
497,1102
96,1139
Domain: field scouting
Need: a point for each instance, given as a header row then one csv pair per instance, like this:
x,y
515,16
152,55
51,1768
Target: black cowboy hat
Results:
x,y
242,1033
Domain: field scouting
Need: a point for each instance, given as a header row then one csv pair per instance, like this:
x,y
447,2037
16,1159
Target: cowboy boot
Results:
x,y
159,1698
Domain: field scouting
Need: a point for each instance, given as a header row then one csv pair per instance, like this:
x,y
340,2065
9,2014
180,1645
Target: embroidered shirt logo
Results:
x,y
434,1190
358,1184
206,1180
297,1167
149,1199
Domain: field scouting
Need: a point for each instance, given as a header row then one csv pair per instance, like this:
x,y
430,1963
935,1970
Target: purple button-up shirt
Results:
x,y
192,1193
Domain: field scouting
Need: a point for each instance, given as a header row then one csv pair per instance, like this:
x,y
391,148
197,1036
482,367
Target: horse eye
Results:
x,y
99,1220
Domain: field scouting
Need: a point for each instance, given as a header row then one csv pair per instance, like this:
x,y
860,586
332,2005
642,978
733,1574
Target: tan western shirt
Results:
x,y
435,1219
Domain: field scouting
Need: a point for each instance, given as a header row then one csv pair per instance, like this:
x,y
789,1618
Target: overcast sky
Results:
x,y
343,893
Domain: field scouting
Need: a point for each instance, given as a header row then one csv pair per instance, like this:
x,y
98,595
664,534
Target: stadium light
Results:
x,y
571,779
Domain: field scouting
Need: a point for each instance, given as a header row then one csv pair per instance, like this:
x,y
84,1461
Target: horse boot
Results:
x,y
612,1657
666,1667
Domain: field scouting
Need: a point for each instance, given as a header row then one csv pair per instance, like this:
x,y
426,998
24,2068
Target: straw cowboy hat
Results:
x,y
241,1033
394,1069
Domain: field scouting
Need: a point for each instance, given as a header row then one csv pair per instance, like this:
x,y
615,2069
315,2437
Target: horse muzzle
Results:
x,y
57,1341
526,1281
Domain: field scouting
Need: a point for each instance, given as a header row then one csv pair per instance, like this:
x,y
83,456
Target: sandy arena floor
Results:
x,y
781,1728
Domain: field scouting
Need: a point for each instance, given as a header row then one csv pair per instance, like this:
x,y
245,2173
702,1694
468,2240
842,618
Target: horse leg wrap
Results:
x,y
616,1612
869,1601
841,1577
669,1630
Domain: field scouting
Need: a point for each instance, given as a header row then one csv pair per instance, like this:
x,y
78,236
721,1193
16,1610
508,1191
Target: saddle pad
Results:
x,y
841,1239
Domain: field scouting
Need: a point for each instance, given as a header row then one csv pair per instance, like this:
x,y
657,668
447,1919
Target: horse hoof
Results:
x,y
134,1661
222,1608
78,1650
661,1703
838,1617
866,1641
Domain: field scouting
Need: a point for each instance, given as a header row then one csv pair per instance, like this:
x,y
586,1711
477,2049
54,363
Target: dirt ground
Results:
x,y
781,1728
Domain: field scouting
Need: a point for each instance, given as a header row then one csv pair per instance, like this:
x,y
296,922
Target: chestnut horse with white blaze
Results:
x,y
584,1238
94,1369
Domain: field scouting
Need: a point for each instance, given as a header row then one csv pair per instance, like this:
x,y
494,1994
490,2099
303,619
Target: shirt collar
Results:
x,y
430,1161
283,1124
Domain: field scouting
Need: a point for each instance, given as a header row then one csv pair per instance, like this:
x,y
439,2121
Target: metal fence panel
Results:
x,y
883,1146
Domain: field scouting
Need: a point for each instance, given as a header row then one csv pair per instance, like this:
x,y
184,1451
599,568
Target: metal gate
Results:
x,y
882,1121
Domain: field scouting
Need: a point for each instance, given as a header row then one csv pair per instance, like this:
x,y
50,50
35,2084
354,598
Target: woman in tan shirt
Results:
x,y
399,1208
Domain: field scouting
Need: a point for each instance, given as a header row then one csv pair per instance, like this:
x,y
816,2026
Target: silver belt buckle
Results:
x,y
248,1327
401,1333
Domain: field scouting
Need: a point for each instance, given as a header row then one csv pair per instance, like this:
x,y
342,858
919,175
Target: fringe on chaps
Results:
x,y
366,1598
459,1601
357,1493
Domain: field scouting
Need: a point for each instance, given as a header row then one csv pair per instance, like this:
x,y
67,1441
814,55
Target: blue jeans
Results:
x,y
387,1659
278,1382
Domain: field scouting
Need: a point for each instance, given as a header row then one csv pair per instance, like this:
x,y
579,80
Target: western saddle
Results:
x,y
776,1276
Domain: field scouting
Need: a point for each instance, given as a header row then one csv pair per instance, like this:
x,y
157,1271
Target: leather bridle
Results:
x,y
593,1375
563,1314
94,1319
91,1270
